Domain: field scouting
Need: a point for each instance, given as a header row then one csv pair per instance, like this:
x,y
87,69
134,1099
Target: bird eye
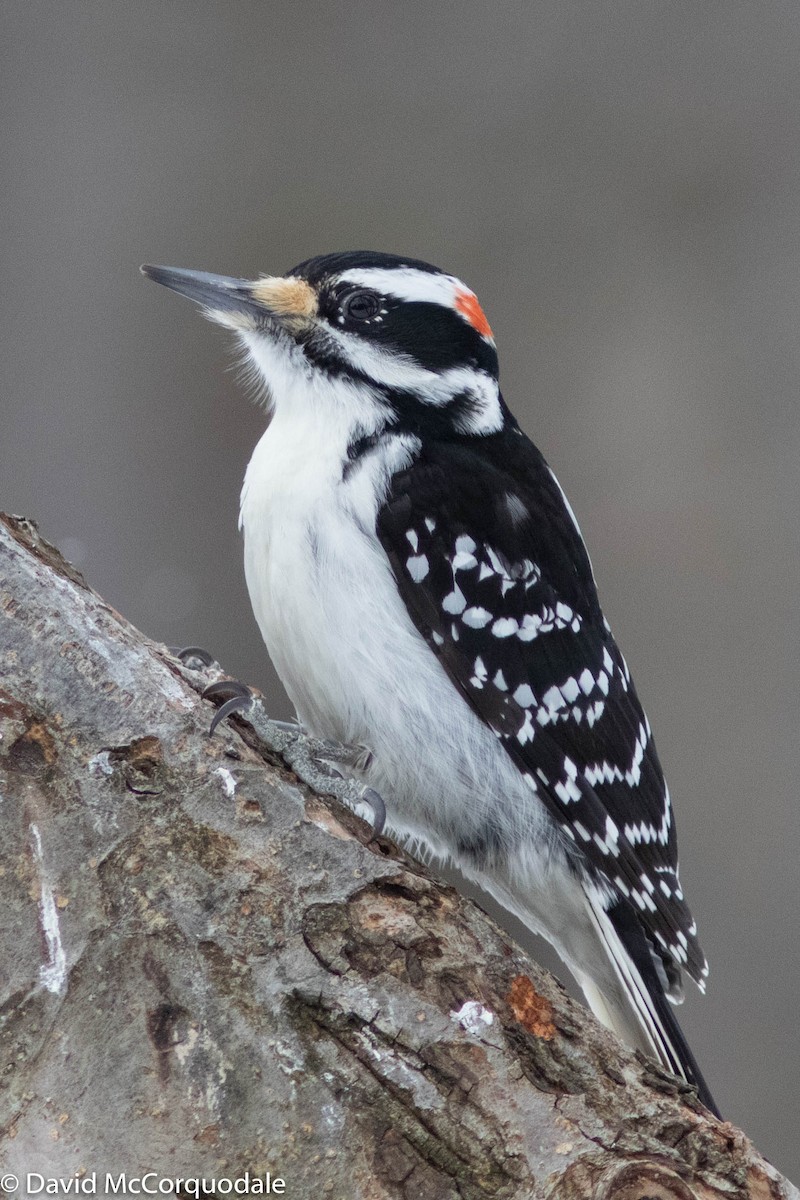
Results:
x,y
360,306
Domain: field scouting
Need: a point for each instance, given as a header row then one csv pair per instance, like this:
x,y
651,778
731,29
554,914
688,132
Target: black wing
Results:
x,y
494,572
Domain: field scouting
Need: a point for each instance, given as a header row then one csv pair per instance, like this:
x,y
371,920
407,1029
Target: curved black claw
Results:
x,y
240,697
188,652
235,704
222,687
376,803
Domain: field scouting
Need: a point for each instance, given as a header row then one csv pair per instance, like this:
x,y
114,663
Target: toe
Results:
x,y
235,704
378,806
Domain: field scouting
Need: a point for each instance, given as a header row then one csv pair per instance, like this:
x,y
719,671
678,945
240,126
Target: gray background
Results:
x,y
619,182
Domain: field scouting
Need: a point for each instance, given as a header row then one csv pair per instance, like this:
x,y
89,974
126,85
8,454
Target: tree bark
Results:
x,y
207,971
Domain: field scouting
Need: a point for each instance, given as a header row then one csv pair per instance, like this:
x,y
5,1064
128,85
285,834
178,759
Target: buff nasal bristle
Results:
x,y
286,297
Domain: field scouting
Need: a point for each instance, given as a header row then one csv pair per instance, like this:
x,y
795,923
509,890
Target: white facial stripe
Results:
x,y
406,283
436,387
401,371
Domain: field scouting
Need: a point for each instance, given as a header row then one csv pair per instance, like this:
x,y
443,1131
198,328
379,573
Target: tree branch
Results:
x,y
206,971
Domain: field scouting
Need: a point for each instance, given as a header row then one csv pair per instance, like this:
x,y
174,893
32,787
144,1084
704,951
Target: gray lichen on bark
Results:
x,y
205,969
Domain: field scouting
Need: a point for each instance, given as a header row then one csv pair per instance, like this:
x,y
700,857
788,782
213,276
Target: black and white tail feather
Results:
x,y
424,590
643,984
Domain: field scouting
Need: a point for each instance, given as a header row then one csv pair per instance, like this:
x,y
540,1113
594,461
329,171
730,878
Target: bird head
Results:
x,y
412,337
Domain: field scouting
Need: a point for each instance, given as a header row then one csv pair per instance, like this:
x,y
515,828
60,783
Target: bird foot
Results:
x,y
310,758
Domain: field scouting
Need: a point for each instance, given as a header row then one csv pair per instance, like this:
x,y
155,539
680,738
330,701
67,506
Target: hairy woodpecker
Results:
x,y
424,590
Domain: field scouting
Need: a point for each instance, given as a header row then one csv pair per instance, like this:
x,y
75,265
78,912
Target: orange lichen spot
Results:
x,y
534,1012
467,304
286,297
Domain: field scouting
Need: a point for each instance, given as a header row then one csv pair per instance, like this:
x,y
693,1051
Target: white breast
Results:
x,y
319,582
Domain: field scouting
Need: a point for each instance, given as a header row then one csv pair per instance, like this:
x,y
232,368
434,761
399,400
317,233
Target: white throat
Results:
x,y
308,518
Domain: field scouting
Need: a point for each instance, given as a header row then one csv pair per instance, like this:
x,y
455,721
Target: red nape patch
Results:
x,y
467,304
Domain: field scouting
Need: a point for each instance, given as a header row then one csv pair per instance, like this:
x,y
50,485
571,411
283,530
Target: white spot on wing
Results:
x,y
480,674
505,626
454,602
464,562
568,791
586,681
529,629
526,732
418,567
476,618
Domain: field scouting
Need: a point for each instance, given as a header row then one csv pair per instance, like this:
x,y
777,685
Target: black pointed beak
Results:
x,y
218,293
283,302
